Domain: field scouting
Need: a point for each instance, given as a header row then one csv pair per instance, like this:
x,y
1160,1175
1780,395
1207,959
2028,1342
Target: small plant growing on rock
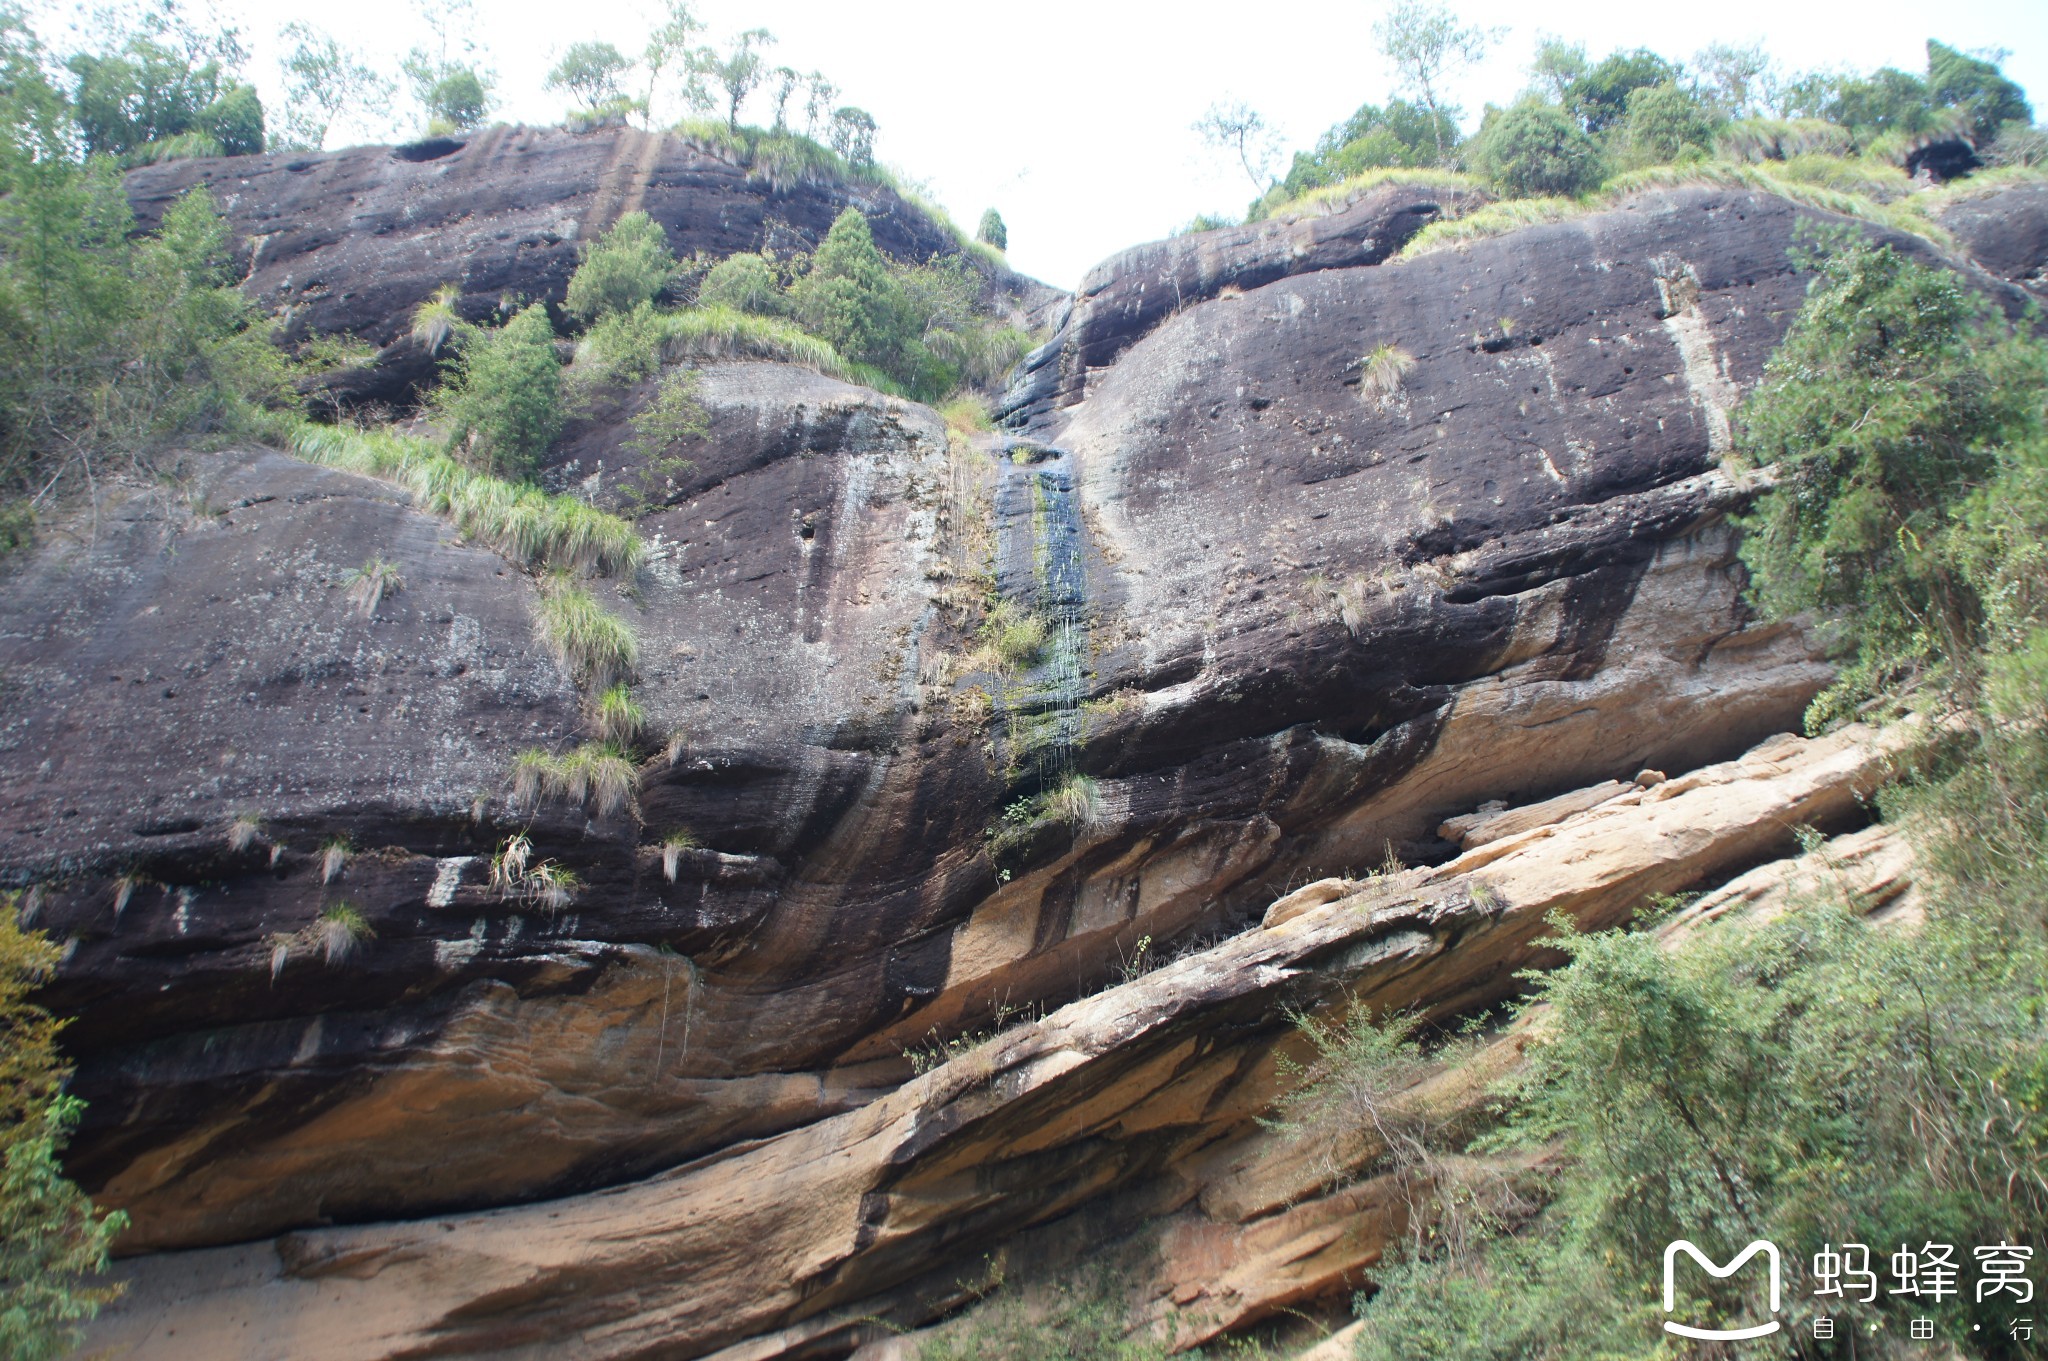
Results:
x,y
370,583
243,831
280,954
598,649
614,718
672,850
1074,802
598,774
1013,635
334,854
341,933
552,887
435,319
1383,370
508,865
124,889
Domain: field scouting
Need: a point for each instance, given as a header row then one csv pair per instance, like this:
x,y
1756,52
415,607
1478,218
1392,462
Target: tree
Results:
x,y
452,88
591,72
1600,97
1888,402
51,1241
1887,100
1986,97
1400,134
1558,66
849,298
1236,128
853,136
670,47
786,81
1535,148
818,96
1663,121
324,84
1739,82
504,407
739,71
627,266
1427,45
992,231
164,81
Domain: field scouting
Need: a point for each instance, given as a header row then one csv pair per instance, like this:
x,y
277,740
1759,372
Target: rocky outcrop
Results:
x,y
1141,1098
2005,231
1296,628
350,243
1129,294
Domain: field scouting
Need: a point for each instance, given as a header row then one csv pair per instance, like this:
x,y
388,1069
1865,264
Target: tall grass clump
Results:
x,y
599,775
1491,220
531,527
599,650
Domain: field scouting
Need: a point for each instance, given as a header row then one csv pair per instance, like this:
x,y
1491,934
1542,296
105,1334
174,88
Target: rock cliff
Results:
x,y
1300,613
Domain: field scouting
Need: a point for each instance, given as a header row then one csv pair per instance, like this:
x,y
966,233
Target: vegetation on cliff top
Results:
x,y
1586,131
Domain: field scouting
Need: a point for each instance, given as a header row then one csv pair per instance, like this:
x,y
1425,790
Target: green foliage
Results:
x,y
163,80
992,231
1600,97
1400,135
674,418
51,1242
341,933
503,403
598,775
1667,123
1013,634
849,299
325,82
529,526
744,282
591,71
628,266
615,719
596,646
110,344
1898,406
1534,150
1976,88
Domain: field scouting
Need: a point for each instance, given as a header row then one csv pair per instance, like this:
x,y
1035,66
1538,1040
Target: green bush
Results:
x,y
627,266
504,403
1897,399
992,231
745,282
52,1243
1666,123
849,299
1535,149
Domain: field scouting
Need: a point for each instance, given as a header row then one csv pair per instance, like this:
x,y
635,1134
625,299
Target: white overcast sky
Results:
x,y
1072,116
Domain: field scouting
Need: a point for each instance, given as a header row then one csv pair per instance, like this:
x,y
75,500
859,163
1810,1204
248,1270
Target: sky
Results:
x,y
1073,117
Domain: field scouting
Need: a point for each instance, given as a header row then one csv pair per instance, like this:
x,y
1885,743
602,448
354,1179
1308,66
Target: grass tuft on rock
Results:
x,y
599,649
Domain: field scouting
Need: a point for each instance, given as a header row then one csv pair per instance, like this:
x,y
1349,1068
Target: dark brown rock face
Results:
x,y
352,242
1299,613
2006,232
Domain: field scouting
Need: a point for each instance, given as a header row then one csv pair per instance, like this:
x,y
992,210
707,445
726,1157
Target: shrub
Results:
x,y
1534,149
627,266
504,406
596,647
51,1241
1666,123
1895,396
744,282
849,299
992,231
